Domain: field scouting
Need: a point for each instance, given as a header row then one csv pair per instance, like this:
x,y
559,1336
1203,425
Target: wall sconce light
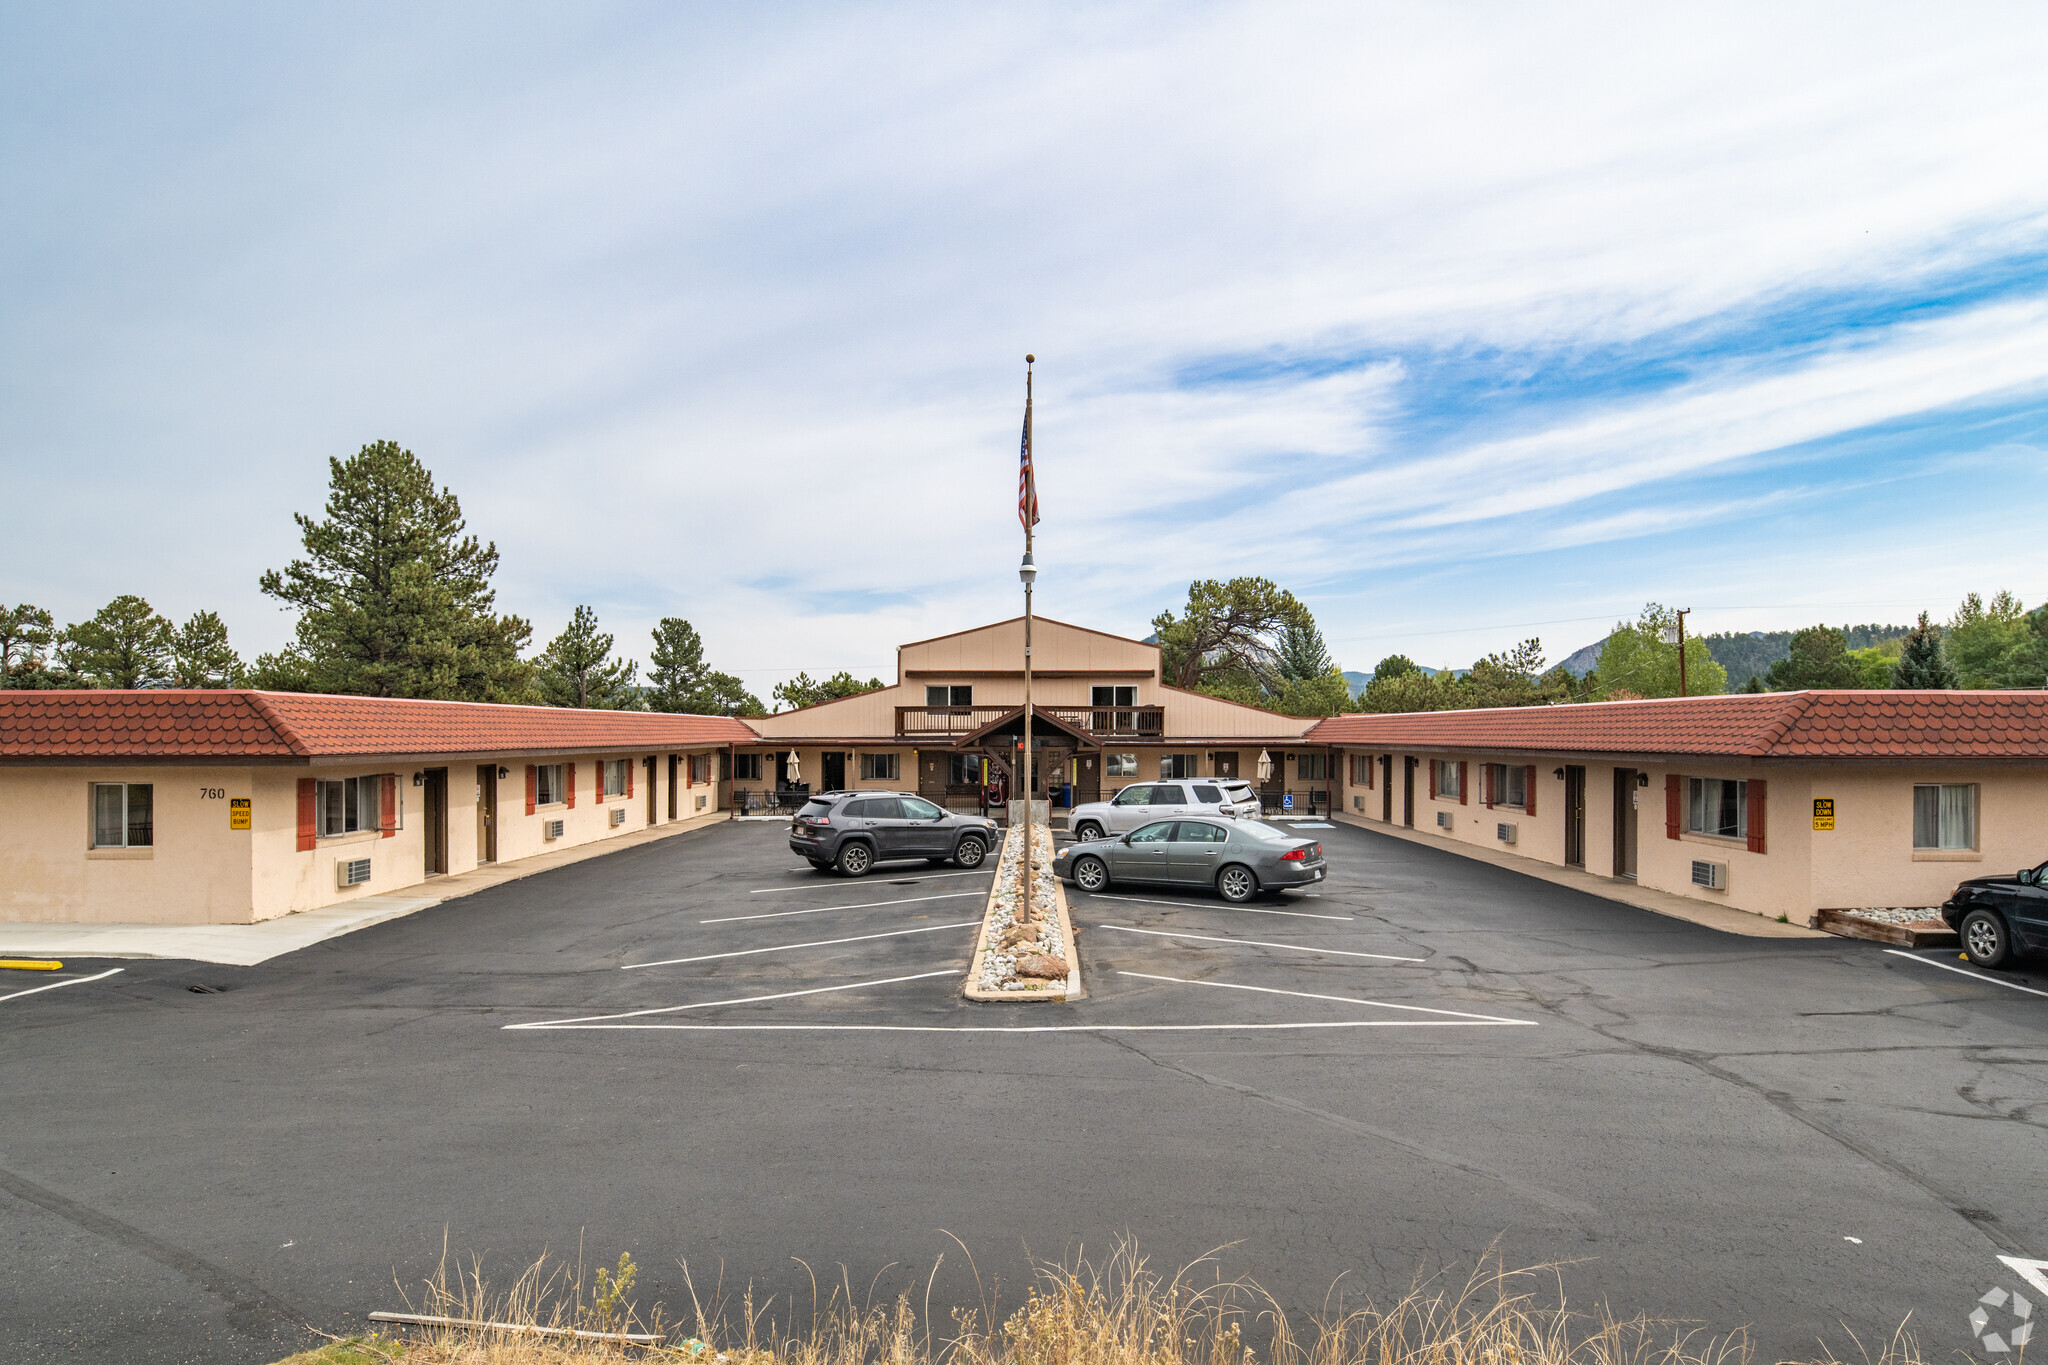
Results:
x,y
1642,779
419,779
504,773
1557,773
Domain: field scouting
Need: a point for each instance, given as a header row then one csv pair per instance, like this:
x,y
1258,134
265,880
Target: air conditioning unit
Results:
x,y
1712,876
351,872
618,817
1505,833
701,800
551,829
1358,803
1444,819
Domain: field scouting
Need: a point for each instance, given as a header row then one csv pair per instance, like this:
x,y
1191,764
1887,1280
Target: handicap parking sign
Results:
x,y
1287,801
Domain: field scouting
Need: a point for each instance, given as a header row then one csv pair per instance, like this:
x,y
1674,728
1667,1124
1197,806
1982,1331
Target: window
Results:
x,y
1154,834
346,806
123,814
1449,786
1192,833
916,808
547,785
614,776
1361,770
1177,765
1140,795
878,767
1719,808
943,694
1944,816
1212,796
746,767
1312,767
1113,696
1507,784
1123,765
700,768
1170,795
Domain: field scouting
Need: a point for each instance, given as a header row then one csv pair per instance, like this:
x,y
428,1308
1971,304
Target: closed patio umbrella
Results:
x,y
1265,766
791,768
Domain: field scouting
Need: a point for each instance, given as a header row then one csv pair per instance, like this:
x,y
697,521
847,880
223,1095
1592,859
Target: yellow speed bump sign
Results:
x,y
238,813
25,964
1823,812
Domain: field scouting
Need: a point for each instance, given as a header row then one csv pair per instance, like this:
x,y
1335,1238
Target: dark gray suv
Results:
x,y
853,831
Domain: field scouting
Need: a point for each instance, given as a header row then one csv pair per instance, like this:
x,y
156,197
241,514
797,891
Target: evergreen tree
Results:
x,y
201,655
26,634
1924,662
125,644
1302,655
1394,666
577,669
800,691
1819,658
1230,634
1634,659
394,600
679,680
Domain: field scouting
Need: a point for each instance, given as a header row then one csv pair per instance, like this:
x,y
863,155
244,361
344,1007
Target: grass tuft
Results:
x,y
1121,1312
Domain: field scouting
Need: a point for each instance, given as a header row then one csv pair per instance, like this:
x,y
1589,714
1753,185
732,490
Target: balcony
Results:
x,y
1107,722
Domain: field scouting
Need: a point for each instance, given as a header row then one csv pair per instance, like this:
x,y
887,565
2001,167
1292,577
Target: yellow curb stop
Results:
x,y
23,964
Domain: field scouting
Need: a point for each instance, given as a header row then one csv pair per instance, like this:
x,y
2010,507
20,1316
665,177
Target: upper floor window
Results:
x,y
123,814
949,694
1113,696
547,785
1450,778
1945,816
1717,807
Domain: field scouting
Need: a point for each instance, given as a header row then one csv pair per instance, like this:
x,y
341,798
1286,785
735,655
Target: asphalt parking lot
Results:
x,y
698,1049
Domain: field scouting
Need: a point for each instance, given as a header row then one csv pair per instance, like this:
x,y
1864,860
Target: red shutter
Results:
x,y
1756,815
629,778
569,785
1464,790
689,771
1671,803
1529,791
306,813
388,817
1486,777
532,787
1432,779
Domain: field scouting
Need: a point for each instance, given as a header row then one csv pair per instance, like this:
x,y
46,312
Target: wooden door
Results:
x,y
1625,823
1089,788
437,821
1224,763
1574,816
647,767
487,813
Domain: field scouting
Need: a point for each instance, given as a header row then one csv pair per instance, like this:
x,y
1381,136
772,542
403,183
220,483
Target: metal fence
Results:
x,y
745,801
1307,801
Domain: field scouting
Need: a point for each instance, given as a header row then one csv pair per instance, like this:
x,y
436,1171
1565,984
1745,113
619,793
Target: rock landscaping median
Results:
x,y
1909,926
1025,950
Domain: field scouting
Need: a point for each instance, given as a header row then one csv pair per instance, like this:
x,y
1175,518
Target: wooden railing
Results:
x,y
954,721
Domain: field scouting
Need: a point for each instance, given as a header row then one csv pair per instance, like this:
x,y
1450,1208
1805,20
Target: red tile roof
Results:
x,y
1845,724
294,726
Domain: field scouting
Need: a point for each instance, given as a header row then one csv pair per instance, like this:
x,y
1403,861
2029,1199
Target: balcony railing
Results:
x,y
921,722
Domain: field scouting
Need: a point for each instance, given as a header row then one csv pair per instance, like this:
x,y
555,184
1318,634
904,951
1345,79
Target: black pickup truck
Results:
x,y
1999,918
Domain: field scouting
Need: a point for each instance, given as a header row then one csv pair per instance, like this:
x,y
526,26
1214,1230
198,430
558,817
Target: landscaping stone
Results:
x,y
1023,951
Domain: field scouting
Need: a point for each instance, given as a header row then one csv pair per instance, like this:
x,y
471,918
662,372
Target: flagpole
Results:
x,y
1029,572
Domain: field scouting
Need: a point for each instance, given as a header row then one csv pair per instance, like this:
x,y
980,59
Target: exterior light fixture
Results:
x,y
1642,779
419,779
1028,570
503,773
1557,772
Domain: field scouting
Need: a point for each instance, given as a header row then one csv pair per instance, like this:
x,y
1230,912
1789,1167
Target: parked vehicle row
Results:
x,y
1240,858
1141,803
854,830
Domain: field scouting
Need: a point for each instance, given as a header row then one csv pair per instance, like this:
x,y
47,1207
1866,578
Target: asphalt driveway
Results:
x,y
698,1049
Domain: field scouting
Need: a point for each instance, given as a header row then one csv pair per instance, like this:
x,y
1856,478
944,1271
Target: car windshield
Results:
x,y
1260,829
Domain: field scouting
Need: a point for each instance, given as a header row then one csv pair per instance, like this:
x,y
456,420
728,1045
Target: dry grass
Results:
x,y
1077,1313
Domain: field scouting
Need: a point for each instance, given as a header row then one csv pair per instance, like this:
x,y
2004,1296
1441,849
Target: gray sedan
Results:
x,y
1240,858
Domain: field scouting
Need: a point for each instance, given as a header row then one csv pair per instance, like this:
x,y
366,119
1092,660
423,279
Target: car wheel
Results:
x,y
1090,874
855,859
970,853
1236,883
1986,939
1087,830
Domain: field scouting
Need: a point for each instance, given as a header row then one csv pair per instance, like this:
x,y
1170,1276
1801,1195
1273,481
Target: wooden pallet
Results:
x,y
1922,933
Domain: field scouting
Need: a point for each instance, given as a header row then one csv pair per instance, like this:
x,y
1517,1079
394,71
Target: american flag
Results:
x,y
1027,482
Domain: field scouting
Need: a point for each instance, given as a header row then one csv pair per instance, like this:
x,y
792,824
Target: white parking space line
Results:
x,y
822,909
1256,943
1206,905
819,883
1031,1028
74,981
792,947
1461,1016
1950,967
742,1000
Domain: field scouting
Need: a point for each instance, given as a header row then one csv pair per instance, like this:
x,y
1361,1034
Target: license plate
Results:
x,y
1319,874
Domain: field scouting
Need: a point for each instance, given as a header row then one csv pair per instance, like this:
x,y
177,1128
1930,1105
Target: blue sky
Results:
x,y
1465,325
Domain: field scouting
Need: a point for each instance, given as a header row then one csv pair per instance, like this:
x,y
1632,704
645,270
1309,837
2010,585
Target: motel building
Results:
x,y
1780,804
1103,717
232,807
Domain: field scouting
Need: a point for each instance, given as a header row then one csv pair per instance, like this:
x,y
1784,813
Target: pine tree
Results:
x,y
679,680
1819,658
577,669
394,600
26,634
125,644
201,655
1925,662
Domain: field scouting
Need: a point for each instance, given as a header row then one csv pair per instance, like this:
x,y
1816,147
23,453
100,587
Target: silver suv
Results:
x,y
1143,802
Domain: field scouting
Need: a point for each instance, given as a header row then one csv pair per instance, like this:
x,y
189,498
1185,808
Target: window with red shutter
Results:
x,y
1756,815
306,814
1671,805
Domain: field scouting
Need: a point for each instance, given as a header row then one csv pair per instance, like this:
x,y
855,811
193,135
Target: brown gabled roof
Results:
x,y
229,725
1831,724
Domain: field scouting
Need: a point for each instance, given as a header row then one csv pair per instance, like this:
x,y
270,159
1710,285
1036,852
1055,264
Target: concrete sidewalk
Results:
x,y
1725,918
245,945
